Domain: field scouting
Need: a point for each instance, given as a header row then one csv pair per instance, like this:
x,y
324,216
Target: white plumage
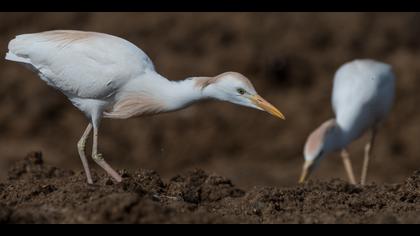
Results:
x,y
82,65
107,76
363,93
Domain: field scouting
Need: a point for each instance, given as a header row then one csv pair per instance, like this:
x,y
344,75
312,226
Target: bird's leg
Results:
x,y
97,157
81,146
368,153
347,165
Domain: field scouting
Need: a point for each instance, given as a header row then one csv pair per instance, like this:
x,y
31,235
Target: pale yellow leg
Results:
x,y
81,146
347,165
368,153
97,157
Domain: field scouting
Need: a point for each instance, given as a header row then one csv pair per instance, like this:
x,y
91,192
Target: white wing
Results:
x,y
82,64
363,93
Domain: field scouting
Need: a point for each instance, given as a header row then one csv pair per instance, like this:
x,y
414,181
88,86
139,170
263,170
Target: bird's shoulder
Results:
x,y
78,45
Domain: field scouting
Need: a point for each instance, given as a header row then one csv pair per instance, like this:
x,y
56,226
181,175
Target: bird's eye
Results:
x,y
241,91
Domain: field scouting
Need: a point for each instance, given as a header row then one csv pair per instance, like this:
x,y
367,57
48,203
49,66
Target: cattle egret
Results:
x,y
363,93
107,76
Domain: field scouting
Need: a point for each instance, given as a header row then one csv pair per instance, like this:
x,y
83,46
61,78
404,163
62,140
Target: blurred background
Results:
x,y
291,59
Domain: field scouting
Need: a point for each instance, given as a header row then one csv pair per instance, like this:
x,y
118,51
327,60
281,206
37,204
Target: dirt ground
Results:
x,y
38,193
289,57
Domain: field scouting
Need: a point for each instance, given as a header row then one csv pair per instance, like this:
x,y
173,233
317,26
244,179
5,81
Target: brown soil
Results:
x,y
38,193
290,58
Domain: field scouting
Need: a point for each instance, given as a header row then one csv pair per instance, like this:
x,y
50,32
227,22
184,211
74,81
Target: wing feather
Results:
x,y
83,64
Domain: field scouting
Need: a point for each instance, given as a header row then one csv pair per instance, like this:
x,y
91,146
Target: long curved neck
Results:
x,y
153,94
180,94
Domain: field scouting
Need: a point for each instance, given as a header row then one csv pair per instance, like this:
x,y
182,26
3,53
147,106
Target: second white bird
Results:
x,y
363,93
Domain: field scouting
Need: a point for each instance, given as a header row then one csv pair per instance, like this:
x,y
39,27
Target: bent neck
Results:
x,y
152,94
180,94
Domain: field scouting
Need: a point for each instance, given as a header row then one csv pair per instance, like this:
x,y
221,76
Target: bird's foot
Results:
x,y
81,145
98,157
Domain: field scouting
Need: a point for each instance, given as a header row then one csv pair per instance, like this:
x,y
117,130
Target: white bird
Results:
x,y
107,76
363,93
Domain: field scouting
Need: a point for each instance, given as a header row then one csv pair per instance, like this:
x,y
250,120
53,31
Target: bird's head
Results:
x,y
319,143
236,88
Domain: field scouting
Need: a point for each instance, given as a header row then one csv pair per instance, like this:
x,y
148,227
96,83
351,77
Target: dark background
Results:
x,y
290,58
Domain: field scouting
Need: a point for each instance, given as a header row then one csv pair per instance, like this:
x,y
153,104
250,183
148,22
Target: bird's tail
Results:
x,y
18,49
12,57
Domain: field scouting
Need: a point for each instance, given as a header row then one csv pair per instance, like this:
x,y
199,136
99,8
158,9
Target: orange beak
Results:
x,y
266,106
306,171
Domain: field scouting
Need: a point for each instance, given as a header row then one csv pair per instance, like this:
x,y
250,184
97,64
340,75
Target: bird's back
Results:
x,y
78,63
363,93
